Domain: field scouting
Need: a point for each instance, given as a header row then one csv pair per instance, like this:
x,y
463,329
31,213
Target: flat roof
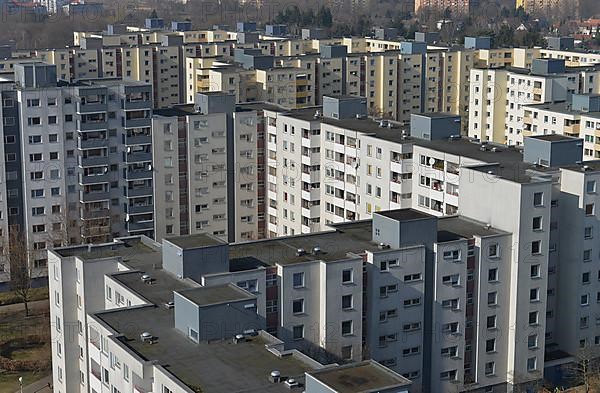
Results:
x,y
404,214
195,241
157,291
353,237
368,126
133,251
360,377
592,166
457,227
204,296
436,115
505,162
554,138
218,366
562,107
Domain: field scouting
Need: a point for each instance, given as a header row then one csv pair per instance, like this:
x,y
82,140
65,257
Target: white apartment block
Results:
x,y
69,150
207,162
497,97
577,117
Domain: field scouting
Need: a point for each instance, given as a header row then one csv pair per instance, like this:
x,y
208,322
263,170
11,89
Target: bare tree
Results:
x,y
19,256
585,370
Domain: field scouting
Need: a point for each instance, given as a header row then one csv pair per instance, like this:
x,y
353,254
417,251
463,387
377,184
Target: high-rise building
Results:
x,y
70,152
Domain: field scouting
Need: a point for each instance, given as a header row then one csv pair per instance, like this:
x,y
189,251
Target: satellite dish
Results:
x,y
431,161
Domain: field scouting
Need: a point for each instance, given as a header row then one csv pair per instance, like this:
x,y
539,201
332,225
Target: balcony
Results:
x,y
93,161
140,226
91,125
137,122
95,214
138,175
140,209
91,107
138,140
138,192
138,157
87,197
91,143
137,104
97,231
94,179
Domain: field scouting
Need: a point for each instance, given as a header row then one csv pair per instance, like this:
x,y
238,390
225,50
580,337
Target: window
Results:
x,y
451,327
534,295
347,328
411,351
453,279
347,276
490,368
450,351
491,322
536,247
532,364
448,375
588,232
590,186
298,279
347,302
412,277
490,345
584,300
537,223
450,303
532,341
298,332
453,255
385,290
298,306
538,199
533,318
412,302
492,299
589,209
534,271
249,285
493,251
493,275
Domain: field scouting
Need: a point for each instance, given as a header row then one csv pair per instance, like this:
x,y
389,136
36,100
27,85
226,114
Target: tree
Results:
x,y
19,255
585,370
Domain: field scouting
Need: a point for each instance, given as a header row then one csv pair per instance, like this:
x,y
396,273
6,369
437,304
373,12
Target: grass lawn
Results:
x,y
35,294
14,326
9,382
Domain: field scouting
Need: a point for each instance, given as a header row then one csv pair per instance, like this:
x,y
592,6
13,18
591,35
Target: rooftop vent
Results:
x,y
383,123
147,279
490,172
239,338
383,246
300,252
454,137
317,114
585,168
275,376
316,250
488,226
361,116
170,305
250,332
291,383
146,337
494,149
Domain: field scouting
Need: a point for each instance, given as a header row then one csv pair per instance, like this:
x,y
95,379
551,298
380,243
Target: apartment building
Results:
x,y
456,7
209,161
69,153
498,96
98,311
576,117
422,274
